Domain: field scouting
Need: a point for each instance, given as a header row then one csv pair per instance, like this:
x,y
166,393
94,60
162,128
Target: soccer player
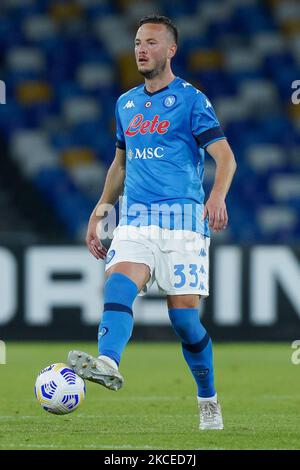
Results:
x,y
163,127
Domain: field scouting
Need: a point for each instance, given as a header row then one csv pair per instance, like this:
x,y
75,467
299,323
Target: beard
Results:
x,y
149,74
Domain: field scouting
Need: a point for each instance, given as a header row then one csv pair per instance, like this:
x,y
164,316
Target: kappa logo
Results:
x,y
202,252
185,84
202,286
129,104
208,103
202,269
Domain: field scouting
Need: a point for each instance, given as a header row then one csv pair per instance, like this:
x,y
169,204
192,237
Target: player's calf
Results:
x,y
116,325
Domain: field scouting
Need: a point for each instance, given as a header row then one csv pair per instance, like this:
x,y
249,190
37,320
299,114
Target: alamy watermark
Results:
x,y
2,352
295,358
186,219
2,92
296,94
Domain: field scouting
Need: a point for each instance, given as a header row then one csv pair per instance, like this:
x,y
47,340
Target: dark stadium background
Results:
x,y
64,64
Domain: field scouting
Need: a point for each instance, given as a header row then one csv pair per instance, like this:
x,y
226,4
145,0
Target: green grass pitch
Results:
x,y
258,386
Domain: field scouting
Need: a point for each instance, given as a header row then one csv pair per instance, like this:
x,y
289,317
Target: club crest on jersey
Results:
x,y
169,101
148,104
138,125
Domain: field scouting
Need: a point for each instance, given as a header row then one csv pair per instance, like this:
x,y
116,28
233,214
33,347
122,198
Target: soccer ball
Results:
x,y
59,390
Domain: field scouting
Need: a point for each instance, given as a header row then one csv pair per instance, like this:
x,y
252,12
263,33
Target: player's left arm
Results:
x,y
215,207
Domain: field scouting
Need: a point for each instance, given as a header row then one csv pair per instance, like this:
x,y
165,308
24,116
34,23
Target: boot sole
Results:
x,y
95,370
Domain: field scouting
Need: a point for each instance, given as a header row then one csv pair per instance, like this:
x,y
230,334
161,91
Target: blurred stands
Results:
x,y
65,64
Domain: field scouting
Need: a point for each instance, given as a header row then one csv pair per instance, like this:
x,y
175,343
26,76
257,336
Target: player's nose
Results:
x,y
142,49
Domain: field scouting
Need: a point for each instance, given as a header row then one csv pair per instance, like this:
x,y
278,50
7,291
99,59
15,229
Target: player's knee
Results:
x,y
139,273
187,325
120,289
184,330
183,301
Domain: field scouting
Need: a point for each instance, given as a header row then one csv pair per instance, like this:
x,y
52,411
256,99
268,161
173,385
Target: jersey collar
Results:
x,y
161,89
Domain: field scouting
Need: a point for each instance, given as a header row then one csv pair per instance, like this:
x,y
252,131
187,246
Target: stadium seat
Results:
x,y
285,187
95,75
74,157
32,152
65,11
204,60
39,27
88,178
266,157
32,92
24,59
77,109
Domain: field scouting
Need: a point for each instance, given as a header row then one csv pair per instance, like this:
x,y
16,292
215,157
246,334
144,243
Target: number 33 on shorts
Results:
x,y
190,275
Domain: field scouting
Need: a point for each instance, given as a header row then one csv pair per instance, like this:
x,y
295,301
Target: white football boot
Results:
x,y
210,414
95,369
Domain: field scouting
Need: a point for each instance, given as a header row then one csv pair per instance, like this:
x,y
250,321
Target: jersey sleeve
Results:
x,y
205,125
120,142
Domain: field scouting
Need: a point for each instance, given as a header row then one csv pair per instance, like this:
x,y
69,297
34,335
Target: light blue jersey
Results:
x,y
164,135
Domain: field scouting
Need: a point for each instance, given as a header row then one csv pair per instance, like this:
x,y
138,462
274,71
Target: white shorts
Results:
x,y
178,259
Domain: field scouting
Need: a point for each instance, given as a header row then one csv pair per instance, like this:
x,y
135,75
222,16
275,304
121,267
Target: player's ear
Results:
x,y
172,51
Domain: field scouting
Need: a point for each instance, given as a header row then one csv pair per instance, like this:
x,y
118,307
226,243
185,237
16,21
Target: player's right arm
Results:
x,y
113,188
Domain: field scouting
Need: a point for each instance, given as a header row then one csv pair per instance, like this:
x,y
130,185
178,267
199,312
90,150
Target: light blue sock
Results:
x,y
116,326
196,348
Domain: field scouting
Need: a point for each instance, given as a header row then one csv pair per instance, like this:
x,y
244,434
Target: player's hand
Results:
x,y
93,243
215,209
